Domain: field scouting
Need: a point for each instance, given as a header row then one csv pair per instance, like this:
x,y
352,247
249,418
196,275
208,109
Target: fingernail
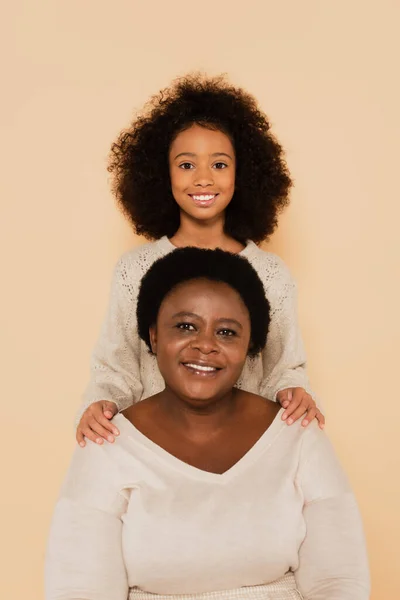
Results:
x,y
305,423
284,417
82,444
285,404
115,432
99,441
110,438
290,421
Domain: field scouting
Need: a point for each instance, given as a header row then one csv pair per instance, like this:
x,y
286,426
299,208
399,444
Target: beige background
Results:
x,y
327,74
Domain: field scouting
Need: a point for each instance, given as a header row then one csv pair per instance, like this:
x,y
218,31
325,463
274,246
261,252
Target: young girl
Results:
x,y
199,167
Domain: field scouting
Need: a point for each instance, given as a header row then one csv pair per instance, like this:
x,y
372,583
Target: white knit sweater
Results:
x,y
125,372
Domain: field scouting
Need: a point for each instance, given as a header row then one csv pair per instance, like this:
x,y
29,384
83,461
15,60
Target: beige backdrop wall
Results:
x,y
327,74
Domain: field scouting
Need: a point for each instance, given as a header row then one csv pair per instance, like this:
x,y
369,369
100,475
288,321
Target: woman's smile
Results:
x,y
201,369
201,339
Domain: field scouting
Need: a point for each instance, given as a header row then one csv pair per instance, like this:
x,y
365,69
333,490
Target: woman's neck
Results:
x,y
197,420
205,234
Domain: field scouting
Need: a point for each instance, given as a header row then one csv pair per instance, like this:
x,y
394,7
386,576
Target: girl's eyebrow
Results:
x,y
192,154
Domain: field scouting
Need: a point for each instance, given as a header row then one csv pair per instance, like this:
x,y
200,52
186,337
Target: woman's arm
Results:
x,y
333,563
84,556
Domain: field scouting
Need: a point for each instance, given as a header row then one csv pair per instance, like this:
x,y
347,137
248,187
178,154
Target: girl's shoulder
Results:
x,y
271,269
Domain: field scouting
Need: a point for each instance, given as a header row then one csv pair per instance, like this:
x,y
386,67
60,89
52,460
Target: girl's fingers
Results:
x,y
299,412
109,409
294,404
92,436
105,423
101,431
284,397
311,414
80,438
321,419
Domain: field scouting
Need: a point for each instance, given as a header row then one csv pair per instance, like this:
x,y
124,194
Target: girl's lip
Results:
x,y
203,203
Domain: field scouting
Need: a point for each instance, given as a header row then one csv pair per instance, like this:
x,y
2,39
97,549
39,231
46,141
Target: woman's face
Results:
x,y
201,340
202,170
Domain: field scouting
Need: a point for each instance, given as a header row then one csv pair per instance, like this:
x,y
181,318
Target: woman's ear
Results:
x,y
153,338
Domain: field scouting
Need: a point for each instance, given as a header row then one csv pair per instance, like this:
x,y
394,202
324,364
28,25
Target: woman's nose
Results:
x,y
205,343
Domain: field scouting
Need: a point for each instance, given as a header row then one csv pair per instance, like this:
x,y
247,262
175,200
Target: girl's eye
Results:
x,y
186,166
220,165
186,327
226,332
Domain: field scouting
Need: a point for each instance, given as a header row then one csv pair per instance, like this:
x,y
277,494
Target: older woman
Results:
x,y
206,493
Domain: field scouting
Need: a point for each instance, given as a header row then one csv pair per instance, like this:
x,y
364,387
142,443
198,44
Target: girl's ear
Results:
x,y
153,338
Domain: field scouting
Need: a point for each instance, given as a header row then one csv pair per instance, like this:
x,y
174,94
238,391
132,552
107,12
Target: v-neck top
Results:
x,y
132,515
260,446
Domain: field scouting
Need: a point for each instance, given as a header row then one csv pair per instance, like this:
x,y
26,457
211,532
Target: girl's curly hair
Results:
x,y
140,168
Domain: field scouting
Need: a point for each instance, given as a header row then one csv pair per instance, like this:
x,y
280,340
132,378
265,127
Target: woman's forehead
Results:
x,y
205,296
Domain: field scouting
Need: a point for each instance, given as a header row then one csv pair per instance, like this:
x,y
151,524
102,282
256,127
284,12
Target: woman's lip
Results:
x,y
191,368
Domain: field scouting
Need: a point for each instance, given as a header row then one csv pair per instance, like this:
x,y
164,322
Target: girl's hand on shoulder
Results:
x,y
299,403
95,423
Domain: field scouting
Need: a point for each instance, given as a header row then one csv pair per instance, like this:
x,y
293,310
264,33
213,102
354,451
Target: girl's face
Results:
x,y
202,169
201,340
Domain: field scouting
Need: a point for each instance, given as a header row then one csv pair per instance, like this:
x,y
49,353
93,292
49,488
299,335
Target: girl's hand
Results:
x,y
297,403
95,423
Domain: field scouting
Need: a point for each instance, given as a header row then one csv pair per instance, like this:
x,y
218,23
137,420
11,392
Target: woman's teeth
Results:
x,y
200,367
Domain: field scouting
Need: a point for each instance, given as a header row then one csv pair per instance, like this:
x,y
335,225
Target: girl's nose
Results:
x,y
203,177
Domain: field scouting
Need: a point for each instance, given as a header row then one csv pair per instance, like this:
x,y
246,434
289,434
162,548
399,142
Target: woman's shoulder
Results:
x,y
270,267
255,408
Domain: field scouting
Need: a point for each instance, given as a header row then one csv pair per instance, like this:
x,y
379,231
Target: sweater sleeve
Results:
x,y
333,562
84,558
284,358
115,370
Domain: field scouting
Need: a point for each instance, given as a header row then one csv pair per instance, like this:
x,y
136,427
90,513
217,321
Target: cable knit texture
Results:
x,y
125,372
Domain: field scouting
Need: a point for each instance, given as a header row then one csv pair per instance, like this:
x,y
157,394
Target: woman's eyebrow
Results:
x,y
183,313
193,155
225,320
233,321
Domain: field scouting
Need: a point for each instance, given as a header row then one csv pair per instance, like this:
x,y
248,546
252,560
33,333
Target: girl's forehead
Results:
x,y
200,138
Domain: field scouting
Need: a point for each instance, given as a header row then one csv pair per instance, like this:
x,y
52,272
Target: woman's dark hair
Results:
x,y
186,264
140,168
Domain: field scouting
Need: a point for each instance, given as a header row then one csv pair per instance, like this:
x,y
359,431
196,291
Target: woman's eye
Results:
x,y
186,166
185,327
226,332
220,165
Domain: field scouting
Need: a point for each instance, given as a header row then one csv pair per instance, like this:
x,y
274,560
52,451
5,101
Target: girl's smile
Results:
x,y
202,171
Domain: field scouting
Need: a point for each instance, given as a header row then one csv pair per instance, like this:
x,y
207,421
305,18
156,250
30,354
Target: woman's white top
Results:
x,y
131,515
122,370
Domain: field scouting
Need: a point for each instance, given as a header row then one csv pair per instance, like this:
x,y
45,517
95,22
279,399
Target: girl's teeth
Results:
x,y
204,197
200,367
